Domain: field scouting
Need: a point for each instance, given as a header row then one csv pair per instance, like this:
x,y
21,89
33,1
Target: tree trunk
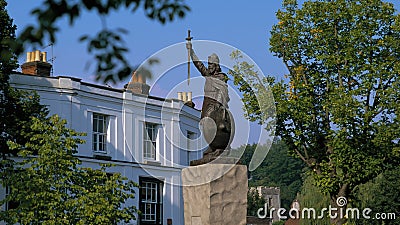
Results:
x,y
339,202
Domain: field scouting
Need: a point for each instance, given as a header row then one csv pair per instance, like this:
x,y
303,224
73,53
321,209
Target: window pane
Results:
x,y
150,133
95,123
148,195
153,212
154,194
150,149
153,133
101,128
94,142
146,152
143,194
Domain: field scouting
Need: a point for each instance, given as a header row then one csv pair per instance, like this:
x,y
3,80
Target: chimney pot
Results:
x,y
37,55
184,97
180,96
28,57
189,96
44,56
32,57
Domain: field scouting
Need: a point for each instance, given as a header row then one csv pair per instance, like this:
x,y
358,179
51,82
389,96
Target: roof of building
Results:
x,y
103,87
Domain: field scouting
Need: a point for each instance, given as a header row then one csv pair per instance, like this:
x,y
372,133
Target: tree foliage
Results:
x,y
339,112
338,108
277,170
8,60
381,195
281,222
52,187
16,107
107,45
312,197
254,202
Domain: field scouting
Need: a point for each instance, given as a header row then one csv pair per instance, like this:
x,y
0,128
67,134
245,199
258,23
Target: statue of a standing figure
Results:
x,y
216,120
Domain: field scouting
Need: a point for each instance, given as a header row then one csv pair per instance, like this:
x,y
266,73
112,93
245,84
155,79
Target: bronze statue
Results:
x,y
215,107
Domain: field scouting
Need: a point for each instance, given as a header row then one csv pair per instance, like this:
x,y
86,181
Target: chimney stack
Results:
x,y
186,97
138,84
36,64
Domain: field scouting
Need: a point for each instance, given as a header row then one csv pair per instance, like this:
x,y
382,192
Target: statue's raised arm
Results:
x,y
197,63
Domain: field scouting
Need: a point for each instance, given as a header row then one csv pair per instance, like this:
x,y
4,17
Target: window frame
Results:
x,y
154,204
9,205
150,140
98,134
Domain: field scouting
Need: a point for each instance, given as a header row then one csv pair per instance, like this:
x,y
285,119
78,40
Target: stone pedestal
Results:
x,y
215,194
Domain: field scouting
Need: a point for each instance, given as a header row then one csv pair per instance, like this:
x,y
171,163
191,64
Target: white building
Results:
x,y
116,122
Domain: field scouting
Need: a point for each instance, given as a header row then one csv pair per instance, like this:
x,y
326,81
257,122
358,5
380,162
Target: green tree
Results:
x,y
53,188
8,60
16,107
338,108
107,46
381,195
312,197
281,222
278,169
254,202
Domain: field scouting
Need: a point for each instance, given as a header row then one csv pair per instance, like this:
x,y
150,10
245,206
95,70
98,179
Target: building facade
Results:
x,y
148,139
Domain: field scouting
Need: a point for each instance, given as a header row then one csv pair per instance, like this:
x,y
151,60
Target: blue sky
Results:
x,y
244,25
241,24
237,23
